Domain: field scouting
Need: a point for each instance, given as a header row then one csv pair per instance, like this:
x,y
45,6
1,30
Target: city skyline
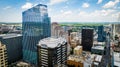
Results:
x,y
64,10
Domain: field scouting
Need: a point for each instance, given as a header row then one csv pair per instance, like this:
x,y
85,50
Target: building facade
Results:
x,y
87,39
101,34
57,30
52,52
13,44
3,56
36,26
53,25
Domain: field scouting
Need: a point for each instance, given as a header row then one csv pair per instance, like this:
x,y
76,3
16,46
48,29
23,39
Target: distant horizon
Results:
x,y
68,22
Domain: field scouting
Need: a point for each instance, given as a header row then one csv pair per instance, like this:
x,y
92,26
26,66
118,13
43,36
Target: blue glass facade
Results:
x,y
101,34
36,26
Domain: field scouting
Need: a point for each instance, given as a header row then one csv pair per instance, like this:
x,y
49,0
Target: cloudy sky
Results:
x,y
64,10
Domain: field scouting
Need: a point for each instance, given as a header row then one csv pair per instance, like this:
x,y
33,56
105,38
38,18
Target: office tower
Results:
x,y
65,28
52,52
87,39
101,34
56,30
3,56
13,44
69,31
36,26
53,25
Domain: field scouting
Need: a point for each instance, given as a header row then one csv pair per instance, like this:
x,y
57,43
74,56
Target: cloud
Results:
x,y
85,5
52,2
99,1
109,15
61,11
67,12
50,10
62,16
99,16
65,7
82,13
103,13
27,5
111,4
7,7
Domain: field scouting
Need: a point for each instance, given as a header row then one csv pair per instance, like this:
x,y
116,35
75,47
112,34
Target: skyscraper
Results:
x,y
87,39
3,56
56,30
52,52
13,44
101,34
53,26
36,26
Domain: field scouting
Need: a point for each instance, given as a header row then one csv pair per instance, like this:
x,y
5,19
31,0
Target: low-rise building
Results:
x,y
78,50
97,59
82,60
116,59
98,50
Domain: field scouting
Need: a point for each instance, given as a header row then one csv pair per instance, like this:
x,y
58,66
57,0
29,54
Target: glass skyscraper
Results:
x,y
36,26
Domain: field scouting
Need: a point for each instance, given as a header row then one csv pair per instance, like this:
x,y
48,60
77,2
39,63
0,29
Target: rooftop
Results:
x,y
5,36
36,6
98,47
2,45
51,42
78,47
117,59
23,64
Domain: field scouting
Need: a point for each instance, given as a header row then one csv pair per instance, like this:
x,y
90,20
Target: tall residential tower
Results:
x,y
52,52
36,26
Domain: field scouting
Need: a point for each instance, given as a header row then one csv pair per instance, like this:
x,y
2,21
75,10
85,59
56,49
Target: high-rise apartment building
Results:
x,y
36,26
3,56
52,52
